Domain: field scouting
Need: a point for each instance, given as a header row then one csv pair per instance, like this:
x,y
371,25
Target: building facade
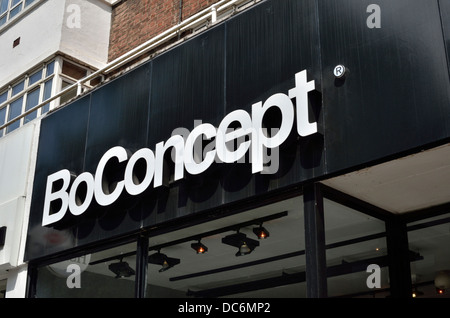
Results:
x,y
254,149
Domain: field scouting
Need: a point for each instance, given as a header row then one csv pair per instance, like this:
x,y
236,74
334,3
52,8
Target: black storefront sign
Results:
x,y
394,100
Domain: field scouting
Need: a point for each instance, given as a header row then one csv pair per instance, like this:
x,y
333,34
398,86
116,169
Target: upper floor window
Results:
x,y
10,8
38,86
24,94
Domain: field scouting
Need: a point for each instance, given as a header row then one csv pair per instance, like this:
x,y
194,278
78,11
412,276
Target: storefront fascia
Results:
x,y
264,68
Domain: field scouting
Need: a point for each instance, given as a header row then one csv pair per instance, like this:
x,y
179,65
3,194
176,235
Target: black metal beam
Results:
x,y
198,236
316,267
398,258
141,267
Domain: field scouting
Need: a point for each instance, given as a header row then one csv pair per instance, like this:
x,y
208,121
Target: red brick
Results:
x,y
136,21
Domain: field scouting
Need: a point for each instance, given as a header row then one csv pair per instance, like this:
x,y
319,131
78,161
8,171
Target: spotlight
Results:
x,y
162,259
242,242
440,291
416,293
261,232
199,248
442,281
121,269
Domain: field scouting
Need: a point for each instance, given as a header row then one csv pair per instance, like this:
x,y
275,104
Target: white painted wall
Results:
x,y
17,165
17,160
87,40
16,285
40,35
47,30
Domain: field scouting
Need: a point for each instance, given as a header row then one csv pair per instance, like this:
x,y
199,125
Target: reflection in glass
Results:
x,y
431,239
353,242
106,274
274,269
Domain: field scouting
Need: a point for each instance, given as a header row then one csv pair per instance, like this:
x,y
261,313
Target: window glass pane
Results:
x,y
3,6
18,88
430,238
3,97
105,274
2,119
47,95
354,241
48,89
32,100
69,95
275,268
14,2
15,109
2,20
34,78
50,68
28,2
15,11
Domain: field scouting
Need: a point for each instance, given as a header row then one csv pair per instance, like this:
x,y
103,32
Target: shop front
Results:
x,y
239,162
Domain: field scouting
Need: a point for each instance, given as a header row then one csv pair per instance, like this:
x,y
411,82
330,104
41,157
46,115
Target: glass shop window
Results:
x,y
353,242
430,238
258,253
106,274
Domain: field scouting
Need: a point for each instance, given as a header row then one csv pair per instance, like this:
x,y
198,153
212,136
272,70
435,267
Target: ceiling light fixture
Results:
x,y
199,247
121,269
244,244
261,232
440,291
442,281
163,260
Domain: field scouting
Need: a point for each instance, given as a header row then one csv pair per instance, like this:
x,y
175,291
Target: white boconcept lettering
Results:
x,y
250,126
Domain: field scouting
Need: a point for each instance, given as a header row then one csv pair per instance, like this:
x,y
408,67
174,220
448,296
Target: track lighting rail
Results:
x,y
234,227
197,237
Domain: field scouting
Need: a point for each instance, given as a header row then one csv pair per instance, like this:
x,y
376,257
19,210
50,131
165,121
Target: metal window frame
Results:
x,y
24,94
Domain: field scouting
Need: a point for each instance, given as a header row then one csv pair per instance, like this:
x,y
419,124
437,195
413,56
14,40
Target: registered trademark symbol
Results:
x,y
339,71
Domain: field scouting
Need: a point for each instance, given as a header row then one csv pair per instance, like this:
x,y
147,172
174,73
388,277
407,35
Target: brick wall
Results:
x,y
136,21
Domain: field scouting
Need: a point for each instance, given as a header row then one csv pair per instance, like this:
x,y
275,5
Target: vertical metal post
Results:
x,y
31,282
398,258
213,15
79,88
316,267
141,267
57,83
